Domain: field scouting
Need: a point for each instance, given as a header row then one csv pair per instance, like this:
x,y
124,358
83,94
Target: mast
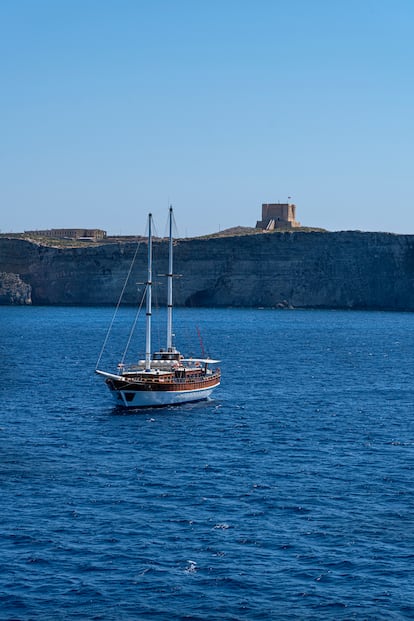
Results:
x,y
169,282
148,299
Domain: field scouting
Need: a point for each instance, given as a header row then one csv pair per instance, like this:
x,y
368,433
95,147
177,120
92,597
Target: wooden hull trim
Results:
x,y
149,386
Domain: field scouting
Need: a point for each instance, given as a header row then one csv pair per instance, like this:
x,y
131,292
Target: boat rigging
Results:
x,y
164,377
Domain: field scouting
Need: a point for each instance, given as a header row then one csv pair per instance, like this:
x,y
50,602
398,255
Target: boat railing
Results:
x,y
196,379
171,378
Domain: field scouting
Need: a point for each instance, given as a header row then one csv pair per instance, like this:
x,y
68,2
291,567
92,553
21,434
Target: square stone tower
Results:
x,y
278,216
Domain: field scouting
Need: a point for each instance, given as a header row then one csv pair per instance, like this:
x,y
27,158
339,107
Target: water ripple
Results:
x,y
288,497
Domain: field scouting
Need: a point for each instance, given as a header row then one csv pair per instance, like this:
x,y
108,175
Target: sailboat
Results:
x,y
164,377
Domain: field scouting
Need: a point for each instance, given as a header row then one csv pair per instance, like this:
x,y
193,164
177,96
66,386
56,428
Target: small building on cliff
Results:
x,y
278,216
90,234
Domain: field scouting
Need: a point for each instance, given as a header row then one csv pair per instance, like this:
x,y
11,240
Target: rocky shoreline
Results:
x,y
13,290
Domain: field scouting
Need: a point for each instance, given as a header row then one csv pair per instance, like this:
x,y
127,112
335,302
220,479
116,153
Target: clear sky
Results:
x,y
110,109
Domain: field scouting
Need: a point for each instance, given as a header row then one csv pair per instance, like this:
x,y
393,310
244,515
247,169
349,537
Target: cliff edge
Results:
x,y
347,269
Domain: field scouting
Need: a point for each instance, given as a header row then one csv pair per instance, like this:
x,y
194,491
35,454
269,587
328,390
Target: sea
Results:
x,y
289,495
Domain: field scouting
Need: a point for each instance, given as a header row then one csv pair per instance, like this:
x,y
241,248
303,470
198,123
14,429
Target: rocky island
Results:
x,y
299,269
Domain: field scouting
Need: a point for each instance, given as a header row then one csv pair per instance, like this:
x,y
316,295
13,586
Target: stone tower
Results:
x,y
278,216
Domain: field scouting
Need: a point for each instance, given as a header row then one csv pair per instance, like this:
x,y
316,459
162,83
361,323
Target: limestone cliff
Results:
x,y
13,290
301,269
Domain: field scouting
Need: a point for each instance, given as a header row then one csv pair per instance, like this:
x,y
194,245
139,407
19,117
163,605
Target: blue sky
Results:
x,y
112,109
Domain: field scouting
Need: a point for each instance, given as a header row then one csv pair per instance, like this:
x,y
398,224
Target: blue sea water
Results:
x,y
288,496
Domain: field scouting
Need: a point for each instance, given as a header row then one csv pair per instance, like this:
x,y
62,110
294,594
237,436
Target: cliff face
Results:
x,y
327,270
13,290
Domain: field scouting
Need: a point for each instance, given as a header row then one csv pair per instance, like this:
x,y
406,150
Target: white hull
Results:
x,y
154,398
